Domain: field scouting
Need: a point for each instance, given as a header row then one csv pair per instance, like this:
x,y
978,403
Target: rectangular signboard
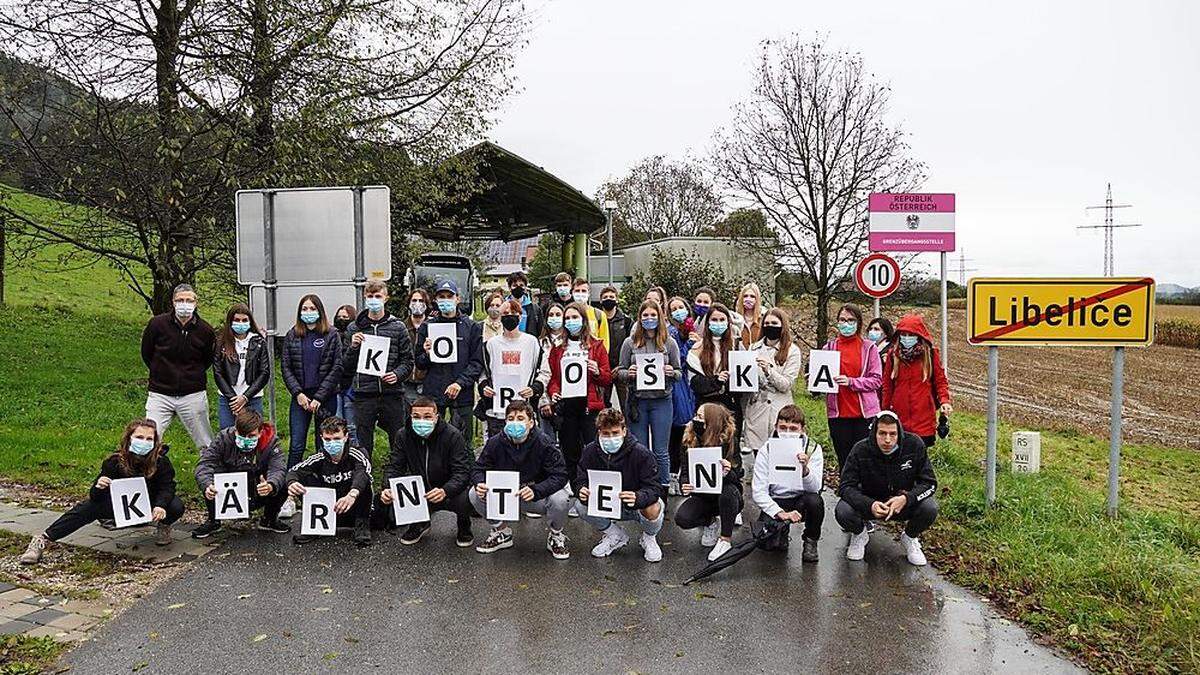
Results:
x,y
1094,311
287,301
911,222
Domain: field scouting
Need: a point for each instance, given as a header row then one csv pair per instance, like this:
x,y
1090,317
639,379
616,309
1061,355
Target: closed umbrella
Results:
x,y
769,529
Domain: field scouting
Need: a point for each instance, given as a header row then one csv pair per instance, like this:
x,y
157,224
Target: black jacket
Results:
x,y
619,326
638,467
400,356
533,319
258,368
291,364
538,460
318,470
465,371
870,476
224,456
737,473
161,485
443,459
177,355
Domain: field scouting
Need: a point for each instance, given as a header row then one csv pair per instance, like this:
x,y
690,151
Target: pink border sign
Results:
x,y
911,202
911,222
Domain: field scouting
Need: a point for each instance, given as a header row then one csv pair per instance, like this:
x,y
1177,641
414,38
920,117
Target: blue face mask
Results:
x,y
446,306
240,327
514,430
874,335
334,446
718,328
574,326
423,427
244,443
554,322
310,317
140,446
679,315
700,310
650,324
611,444
908,341
847,328
374,304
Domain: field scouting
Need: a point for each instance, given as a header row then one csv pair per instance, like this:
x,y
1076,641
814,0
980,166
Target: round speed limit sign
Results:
x,y
878,276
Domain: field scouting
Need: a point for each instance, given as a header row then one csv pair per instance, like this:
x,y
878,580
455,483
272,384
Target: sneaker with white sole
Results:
x,y
531,514
858,545
719,549
738,521
614,538
288,509
497,539
651,551
33,552
871,526
709,536
556,543
912,550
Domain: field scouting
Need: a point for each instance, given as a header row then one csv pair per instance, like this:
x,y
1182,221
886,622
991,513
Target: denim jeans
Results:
x,y
650,527
225,416
299,420
654,420
345,410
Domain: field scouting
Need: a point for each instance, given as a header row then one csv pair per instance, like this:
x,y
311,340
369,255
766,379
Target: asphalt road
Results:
x,y
329,607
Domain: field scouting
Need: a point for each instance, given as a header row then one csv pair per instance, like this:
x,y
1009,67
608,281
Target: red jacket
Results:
x,y
596,383
906,390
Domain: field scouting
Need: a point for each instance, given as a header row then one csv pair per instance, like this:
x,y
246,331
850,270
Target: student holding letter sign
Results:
x,y
542,475
139,454
713,427
577,415
311,368
435,451
708,363
779,363
450,351
510,367
347,471
249,446
856,401
787,482
639,497
650,405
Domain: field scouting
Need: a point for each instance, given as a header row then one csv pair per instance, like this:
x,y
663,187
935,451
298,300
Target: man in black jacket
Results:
x,y
452,385
177,348
619,325
341,467
250,445
641,491
378,400
436,451
531,313
887,476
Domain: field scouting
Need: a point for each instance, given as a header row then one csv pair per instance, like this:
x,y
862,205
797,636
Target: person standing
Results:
x,y
619,324
651,410
452,385
881,332
419,306
581,294
750,305
717,514
708,361
553,335
792,503
531,315
914,382
513,357
577,416
241,367
683,399
779,366
562,288
345,396
856,402
491,323
311,369
177,348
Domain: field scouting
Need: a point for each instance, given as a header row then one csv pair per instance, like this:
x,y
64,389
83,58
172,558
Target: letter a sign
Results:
x,y
130,501
823,366
233,500
373,355
743,372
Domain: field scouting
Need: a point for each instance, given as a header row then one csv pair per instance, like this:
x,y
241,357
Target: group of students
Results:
x,y
881,421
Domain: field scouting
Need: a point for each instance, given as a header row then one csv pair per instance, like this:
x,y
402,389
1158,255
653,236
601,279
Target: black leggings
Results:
x,y
675,447
459,505
699,510
577,428
811,507
918,517
845,432
91,510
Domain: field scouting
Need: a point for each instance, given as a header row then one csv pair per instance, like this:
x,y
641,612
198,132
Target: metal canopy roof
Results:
x,y
522,200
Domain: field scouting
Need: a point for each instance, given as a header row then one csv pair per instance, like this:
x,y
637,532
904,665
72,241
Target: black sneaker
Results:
x,y
273,526
107,523
414,533
362,533
465,538
809,552
299,539
206,530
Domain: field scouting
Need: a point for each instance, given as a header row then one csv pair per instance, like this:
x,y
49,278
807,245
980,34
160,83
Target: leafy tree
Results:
x,y
661,198
681,274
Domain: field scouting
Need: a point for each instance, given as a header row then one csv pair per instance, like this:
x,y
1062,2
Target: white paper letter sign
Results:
x,y
317,512
502,497
603,490
373,355
704,466
786,470
506,386
650,375
743,371
573,376
444,337
130,501
233,500
408,500
823,366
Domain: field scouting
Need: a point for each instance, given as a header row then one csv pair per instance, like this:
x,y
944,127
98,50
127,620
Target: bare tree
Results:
x,y
807,147
661,198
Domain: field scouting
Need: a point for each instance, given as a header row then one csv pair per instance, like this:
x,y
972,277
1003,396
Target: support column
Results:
x,y
568,254
581,255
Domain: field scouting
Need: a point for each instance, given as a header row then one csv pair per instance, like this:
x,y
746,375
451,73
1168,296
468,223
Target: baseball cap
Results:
x,y
446,285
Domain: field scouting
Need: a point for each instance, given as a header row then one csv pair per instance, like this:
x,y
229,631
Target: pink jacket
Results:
x,y
867,386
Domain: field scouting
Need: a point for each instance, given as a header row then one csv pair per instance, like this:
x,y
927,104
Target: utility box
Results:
x,y
1026,451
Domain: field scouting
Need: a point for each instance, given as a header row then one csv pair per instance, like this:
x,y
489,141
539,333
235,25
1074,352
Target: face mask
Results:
x,y
554,322
510,322
611,444
772,332
888,451
790,434
650,324
574,325
493,312
341,323
240,327
908,341
749,302
446,306
608,304
184,310
374,304
847,328
244,443
564,292
698,428
423,427
717,328
514,430
416,308
140,446
310,317
334,447
679,315
874,335
700,310
518,292
580,296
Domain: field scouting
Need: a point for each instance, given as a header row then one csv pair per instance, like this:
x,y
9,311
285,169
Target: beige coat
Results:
x,y
774,392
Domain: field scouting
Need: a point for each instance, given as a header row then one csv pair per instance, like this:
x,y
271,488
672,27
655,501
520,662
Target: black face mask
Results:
x,y
772,332
608,304
518,292
698,428
341,323
510,321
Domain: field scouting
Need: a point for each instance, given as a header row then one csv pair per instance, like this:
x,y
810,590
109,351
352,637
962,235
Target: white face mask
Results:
x,y
580,296
184,309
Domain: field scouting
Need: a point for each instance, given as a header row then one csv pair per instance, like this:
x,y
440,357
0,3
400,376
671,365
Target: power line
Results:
x,y
1108,227
962,268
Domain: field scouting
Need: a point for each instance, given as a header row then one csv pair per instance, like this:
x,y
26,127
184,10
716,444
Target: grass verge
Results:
x,y
22,655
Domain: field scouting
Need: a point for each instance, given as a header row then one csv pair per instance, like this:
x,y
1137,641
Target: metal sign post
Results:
x,y
945,320
993,404
876,303
360,271
270,283
1114,429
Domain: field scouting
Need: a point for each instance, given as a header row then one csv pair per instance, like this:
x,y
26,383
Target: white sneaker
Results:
x,y
871,526
709,536
650,549
738,521
858,545
719,549
912,549
614,538
288,509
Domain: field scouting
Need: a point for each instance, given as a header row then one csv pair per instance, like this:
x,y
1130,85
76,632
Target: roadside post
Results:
x,y
877,276
1082,312
270,283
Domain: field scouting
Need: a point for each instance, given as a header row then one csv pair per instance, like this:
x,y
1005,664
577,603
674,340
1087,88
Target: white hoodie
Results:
x,y
764,493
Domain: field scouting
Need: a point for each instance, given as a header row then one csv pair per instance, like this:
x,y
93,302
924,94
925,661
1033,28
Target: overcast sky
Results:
x,y
1024,109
